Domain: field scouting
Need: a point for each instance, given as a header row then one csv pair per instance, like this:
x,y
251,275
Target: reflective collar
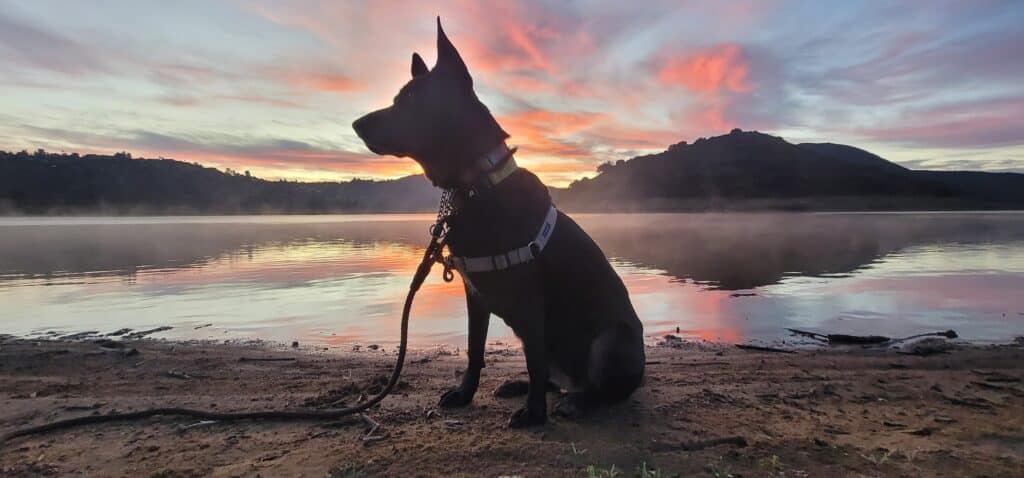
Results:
x,y
508,259
492,168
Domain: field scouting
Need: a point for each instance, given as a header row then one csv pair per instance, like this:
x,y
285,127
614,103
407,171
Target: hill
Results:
x,y
48,183
742,170
751,170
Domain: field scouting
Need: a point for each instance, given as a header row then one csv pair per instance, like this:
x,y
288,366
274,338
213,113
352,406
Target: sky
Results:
x,y
272,87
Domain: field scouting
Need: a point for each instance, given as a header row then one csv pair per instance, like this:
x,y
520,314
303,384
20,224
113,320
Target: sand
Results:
x,y
837,412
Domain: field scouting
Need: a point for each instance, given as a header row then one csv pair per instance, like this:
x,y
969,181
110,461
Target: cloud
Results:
x,y
270,156
722,67
1004,165
548,133
27,45
329,82
984,123
909,65
185,100
575,83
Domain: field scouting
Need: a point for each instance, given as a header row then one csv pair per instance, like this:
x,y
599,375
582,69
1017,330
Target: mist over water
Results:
x,y
337,280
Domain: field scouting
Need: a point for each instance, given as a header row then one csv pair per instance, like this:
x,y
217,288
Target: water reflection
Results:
x,y
339,279
744,251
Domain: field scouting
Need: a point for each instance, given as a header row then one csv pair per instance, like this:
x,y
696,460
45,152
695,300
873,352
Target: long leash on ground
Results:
x,y
430,256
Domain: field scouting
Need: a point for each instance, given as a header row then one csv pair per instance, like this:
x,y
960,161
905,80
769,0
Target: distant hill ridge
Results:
x,y
49,183
752,170
742,170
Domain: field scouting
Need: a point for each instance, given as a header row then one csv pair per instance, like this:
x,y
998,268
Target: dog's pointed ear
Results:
x,y
418,66
448,58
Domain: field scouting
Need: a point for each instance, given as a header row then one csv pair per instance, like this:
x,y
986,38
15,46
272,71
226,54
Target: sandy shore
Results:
x,y
849,412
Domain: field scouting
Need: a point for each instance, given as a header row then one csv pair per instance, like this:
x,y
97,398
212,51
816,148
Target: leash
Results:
x,y
432,254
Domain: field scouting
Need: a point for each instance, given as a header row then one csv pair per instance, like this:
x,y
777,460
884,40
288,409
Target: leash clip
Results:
x,y
447,273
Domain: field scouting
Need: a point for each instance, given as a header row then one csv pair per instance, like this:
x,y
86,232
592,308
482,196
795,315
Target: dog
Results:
x,y
520,258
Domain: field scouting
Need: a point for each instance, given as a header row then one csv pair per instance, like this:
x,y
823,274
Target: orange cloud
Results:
x,y
712,118
620,136
518,39
524,39
546,132
327,82
304,79
722,67
308,165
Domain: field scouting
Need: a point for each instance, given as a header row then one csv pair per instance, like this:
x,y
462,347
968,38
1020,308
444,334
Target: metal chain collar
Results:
x,y
439,232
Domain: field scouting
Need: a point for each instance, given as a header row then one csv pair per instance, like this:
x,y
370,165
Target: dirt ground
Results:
x,y
849,412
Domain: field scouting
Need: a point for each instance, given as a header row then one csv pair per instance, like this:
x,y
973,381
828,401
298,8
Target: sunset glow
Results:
x,y
272,87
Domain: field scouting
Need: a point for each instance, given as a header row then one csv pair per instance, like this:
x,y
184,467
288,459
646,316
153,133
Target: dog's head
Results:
x,y
436,119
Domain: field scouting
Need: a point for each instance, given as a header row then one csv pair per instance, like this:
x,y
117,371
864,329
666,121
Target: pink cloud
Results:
x,y
986,123
543,132
722,67
326,82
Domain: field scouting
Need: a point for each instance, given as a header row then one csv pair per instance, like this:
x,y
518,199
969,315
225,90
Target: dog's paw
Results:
x,y
527,417
571,406
456,397
512,388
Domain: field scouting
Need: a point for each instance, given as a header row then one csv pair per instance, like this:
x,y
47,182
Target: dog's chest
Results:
x,y
509,294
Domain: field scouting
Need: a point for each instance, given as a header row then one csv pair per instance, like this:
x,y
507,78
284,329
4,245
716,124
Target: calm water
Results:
x,y
337,280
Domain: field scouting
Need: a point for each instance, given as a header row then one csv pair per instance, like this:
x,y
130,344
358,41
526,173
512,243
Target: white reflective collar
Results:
x,y
490,159
516,256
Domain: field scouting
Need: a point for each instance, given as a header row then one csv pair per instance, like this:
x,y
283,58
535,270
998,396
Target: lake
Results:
x,y
341,280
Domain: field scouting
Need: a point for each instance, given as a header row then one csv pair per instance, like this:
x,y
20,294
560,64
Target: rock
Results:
x,y
109,344
295,344
928,346
670,340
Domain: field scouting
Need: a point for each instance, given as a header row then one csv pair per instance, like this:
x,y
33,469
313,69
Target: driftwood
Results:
x,y
759,348
843,339
145,333
713,442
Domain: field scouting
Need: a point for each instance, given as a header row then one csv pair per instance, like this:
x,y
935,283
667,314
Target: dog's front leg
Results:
x,y
532,334
479,317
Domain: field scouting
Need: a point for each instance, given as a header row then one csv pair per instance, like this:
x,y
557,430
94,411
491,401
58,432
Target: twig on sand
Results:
x,y
201,423
759,348
371,435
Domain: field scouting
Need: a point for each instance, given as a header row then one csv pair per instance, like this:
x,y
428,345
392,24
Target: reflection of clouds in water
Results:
x,y
344,280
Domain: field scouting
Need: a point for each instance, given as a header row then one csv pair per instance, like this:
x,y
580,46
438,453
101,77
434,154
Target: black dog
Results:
x,y
519,257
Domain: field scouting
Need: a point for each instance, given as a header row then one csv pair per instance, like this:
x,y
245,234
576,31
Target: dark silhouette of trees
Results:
x,y
43,182
748,169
